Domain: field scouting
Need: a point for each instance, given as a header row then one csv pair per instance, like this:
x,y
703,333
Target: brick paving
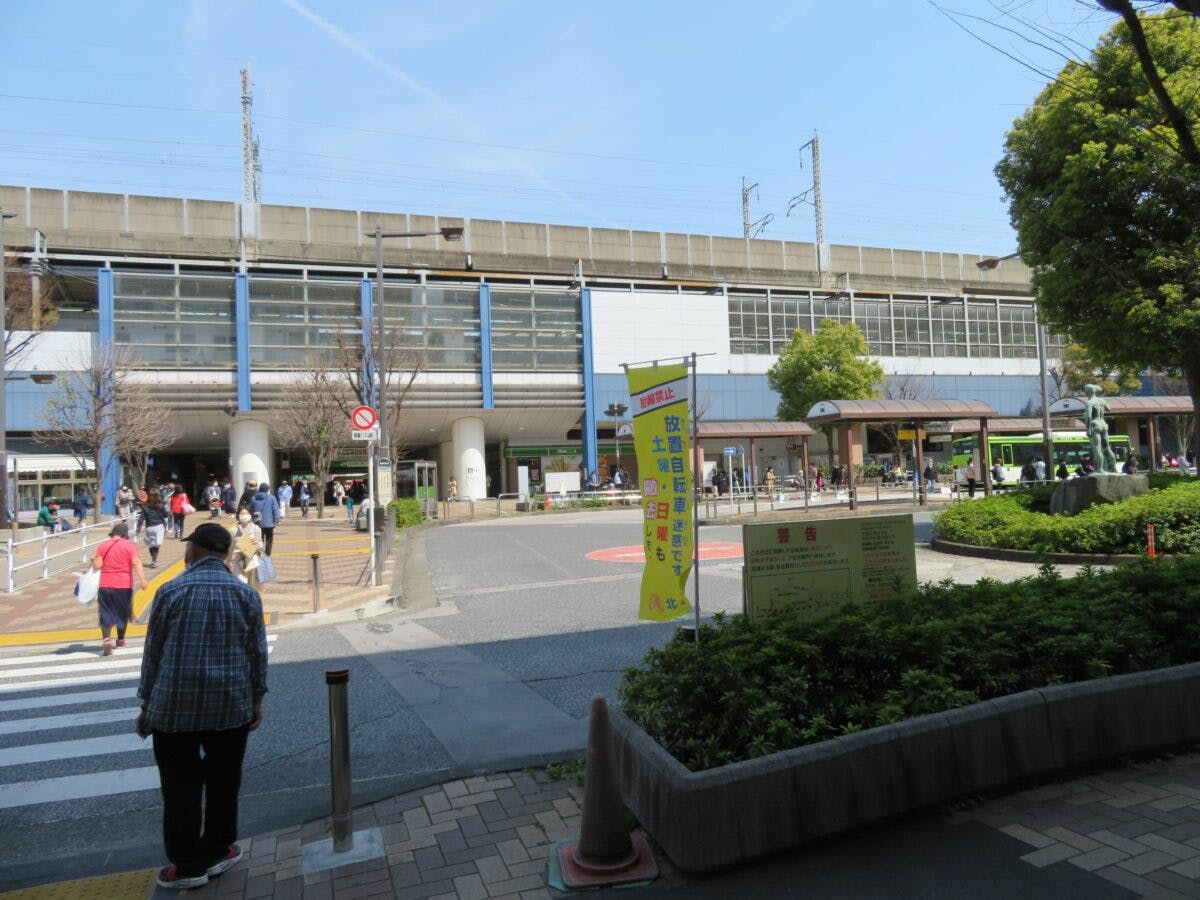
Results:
x,y
49,605
1138,827
471,839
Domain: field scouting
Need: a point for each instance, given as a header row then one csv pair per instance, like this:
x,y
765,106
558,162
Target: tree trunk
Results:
x,y
1191,372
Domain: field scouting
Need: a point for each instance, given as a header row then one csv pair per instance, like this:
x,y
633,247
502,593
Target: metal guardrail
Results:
x,y
43,554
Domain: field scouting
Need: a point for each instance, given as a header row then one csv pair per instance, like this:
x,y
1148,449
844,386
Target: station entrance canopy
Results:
x,y
844,413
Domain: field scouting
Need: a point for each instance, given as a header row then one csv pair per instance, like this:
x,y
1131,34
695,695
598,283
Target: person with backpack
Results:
x,y
266,508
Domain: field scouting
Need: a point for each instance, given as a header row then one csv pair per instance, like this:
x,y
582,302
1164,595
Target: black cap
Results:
x,y
211,537
119,529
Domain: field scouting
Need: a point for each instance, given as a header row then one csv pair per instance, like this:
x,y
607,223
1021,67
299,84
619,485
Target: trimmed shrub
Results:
x,y
1020,520
407,512
757,688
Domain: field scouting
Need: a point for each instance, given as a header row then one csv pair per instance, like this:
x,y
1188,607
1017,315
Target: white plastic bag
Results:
x,y
87,588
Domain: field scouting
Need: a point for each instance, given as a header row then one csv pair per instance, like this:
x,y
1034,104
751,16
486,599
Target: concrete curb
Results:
x,y
728,815
1033,556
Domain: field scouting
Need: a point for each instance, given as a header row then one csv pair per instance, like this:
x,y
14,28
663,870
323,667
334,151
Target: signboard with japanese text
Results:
x,y
662,441
820,566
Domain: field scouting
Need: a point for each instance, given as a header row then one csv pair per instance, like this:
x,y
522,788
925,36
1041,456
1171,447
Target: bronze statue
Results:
x,y
1103,457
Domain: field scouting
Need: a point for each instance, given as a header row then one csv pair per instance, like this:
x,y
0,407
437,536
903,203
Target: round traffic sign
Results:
x,y
363,418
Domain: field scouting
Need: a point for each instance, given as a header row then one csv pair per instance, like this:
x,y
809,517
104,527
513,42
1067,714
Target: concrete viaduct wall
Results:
x,y
135,225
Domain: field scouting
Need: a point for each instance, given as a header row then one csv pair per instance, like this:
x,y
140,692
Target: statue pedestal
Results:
x,y
1074,495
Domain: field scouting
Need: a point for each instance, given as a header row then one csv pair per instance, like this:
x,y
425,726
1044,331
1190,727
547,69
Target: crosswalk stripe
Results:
x,y
79,697
52,657
60,682
114,663
96,746
71,720
78,787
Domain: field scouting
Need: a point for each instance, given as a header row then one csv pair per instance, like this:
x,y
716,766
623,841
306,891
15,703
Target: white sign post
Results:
x,y
366,428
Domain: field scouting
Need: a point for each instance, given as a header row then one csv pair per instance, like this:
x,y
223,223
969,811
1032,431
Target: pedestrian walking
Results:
x,y
452,488
246,548
80,505
970,476
266,507
125,501
212,496
283,493
339,496
180,507
154,519
166,492
769,478
204,676
229,498
117,561
247,494
305,499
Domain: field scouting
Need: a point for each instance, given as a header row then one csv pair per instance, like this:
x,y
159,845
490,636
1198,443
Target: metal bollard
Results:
x,y
339,759
316,567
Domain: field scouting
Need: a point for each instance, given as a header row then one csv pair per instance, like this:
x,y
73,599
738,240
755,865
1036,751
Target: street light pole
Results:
x,y
615,411
379,381
4,521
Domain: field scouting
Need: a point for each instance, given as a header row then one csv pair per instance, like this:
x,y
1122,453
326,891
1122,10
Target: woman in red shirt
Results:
x,y
179,500
117,559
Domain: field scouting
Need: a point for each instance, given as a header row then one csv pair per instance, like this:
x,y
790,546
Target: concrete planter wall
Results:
x,y
725,816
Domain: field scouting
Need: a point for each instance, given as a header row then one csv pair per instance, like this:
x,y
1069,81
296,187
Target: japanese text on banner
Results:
x,y
662,439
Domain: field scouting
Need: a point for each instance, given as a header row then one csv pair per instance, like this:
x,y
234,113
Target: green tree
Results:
x,y
828,365
1081,367
1106,205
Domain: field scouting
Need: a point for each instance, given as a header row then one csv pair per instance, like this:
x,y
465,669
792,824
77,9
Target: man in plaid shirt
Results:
x,y
204,674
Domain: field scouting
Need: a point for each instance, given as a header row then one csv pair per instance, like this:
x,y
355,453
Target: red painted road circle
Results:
x,y
635,553
363,418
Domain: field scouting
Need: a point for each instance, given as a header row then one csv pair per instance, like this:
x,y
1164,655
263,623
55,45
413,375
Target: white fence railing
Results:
x,y
36,558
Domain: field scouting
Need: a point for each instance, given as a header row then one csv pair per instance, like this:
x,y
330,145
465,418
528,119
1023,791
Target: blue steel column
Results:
x,y
241,296
109,476
590,451
486,374
366,302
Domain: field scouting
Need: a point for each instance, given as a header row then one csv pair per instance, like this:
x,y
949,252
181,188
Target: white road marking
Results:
x,y
76,699
97,746
70,720
78,787
117,663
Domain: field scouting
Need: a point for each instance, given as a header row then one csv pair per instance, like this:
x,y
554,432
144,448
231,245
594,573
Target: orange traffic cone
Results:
x,y
605,853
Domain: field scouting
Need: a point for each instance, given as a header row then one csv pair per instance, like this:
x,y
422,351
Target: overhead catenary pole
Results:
x,y
1047,434
4,521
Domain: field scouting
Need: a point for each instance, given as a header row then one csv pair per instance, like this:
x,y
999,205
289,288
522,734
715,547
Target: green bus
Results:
x,y
1012,451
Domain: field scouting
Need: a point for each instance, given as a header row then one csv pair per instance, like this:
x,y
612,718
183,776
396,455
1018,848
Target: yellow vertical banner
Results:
x,y
662,440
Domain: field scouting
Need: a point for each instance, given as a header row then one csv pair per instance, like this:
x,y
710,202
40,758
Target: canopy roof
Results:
x,y
1028,425
753,429
1128,406
830,411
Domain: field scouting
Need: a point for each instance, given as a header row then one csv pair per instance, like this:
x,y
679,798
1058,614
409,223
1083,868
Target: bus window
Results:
x,y
1007,454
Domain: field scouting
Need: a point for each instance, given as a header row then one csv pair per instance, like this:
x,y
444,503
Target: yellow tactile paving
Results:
x,y
122,886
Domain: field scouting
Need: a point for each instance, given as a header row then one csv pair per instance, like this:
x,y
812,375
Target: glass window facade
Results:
x,y
438,324
894,326
290,320
169,321
536,330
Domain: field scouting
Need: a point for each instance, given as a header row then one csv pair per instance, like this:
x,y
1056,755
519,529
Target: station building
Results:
x,y
521,328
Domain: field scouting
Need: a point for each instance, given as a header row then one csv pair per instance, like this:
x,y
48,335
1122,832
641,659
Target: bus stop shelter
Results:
x,y
752,432
843,414
1148,408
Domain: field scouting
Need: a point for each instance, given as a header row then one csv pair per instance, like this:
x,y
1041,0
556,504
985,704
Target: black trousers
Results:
x,y
268,539
201,774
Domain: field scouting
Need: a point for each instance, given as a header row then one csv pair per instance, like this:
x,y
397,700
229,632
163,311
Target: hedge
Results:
x,y
407,512
754,688
1020,520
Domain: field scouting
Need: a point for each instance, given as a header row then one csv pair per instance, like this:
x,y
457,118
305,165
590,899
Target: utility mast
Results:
x,y
251,164
817,200
752,229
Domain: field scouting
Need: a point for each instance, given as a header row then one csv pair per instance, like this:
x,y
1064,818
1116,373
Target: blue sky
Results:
x,y
618,114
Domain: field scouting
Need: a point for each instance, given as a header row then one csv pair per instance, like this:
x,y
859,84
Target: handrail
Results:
x,y
45,558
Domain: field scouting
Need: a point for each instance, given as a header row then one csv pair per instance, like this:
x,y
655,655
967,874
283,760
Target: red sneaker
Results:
x,y
228,861
107,649
170,879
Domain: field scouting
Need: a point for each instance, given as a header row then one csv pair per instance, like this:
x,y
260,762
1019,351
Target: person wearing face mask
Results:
x,y
246,547
203,679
